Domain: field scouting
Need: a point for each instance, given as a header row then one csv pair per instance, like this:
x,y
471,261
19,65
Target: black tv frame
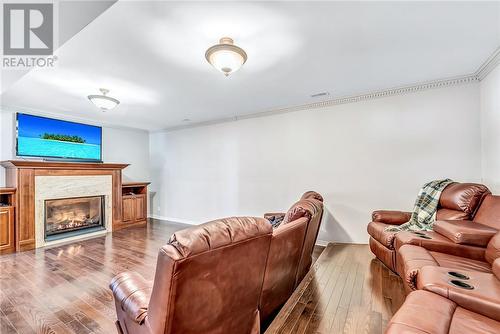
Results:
x,y
54,158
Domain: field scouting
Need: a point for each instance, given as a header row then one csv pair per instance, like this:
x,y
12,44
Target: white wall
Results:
x,y
490,130
360,156
119,145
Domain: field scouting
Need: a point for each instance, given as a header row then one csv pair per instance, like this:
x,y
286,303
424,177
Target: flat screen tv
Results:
x,y
44,137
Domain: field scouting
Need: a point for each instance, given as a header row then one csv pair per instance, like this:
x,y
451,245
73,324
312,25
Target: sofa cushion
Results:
x,y
449,214
465,232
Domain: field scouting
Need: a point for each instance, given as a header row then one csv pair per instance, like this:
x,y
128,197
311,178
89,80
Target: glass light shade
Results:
x,y
103,102
226,57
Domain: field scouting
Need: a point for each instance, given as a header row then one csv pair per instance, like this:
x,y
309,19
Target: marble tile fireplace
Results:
x,y
72,207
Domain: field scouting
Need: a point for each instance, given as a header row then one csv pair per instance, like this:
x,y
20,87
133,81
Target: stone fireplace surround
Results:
x,y
58,187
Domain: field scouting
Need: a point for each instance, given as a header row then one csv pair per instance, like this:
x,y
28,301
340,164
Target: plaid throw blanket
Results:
x,y
424,211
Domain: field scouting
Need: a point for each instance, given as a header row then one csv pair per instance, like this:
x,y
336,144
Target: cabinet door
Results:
x,y
140,207
6,229
128,203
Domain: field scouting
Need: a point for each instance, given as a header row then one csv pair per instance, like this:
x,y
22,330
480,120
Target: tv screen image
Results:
x,y
51,138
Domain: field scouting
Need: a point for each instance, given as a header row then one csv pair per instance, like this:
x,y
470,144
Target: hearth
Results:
x,y
73,216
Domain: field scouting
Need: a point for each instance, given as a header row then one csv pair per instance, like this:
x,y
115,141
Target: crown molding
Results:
x,y
489,65
481,73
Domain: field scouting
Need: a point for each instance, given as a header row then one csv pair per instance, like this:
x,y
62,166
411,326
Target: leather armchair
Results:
x,y
458,201
208,280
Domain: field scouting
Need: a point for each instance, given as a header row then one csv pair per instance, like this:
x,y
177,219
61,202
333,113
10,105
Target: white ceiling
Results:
x,y
151,56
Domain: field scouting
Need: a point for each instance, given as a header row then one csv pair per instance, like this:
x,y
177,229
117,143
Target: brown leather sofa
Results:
x,y
208,280
465,247
290,254
226,276
458,201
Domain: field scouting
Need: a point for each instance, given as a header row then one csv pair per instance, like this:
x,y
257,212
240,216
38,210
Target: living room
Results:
x,y
250,167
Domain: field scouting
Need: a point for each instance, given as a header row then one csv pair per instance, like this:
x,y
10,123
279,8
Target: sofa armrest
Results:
x,y
465,232
484,298
270,215
391,217
132,293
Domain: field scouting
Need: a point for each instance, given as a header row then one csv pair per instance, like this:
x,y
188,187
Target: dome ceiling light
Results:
x,y
103,101
225,56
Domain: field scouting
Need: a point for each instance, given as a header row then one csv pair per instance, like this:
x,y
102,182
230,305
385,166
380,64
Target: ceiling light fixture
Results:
x,y
225,56
103,101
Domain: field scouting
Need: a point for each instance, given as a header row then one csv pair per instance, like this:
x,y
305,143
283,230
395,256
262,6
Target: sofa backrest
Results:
x,y
211,275
489,212
493,249
314,211
460,201
282,266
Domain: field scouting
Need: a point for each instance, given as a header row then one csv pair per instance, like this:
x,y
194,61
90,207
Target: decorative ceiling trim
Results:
x,y
488,65
475,77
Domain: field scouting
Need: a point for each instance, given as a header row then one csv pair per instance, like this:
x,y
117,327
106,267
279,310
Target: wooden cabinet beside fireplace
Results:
x,y
7,236
134,203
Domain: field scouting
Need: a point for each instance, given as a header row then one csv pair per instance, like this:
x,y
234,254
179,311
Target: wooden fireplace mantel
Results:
x,y
21,174
60,165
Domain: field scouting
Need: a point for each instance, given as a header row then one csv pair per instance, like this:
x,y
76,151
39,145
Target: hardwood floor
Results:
x,y
64,289
346,291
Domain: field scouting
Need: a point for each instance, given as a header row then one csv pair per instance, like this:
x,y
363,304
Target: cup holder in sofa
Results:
x,y
424,236
458,275
461,284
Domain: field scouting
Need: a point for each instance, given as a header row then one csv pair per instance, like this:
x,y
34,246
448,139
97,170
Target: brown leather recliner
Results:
x,y
208,280
458,201
412,258
288,258
313,226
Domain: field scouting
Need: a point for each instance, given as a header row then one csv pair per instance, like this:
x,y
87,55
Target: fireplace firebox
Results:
x,y
66,217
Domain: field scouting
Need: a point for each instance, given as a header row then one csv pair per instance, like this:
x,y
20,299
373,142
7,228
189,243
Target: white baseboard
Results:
x,y
174,220
322,243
